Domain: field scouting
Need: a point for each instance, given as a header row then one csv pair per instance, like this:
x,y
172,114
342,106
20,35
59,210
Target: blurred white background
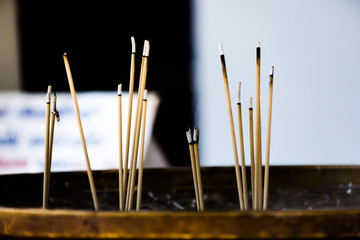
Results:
x,y
314,47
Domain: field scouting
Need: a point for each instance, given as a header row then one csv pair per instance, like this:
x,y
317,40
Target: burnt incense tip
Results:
x,y
54,93
54,105
257,44
57,116
251,102
272,71
133,50
65,54
146,48
188,136
239,92
196,134
145,95
221,49
119,89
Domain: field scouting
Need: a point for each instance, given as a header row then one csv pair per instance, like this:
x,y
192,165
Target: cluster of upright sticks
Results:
x,y
195,166
126,179
127,185
49,139
259,199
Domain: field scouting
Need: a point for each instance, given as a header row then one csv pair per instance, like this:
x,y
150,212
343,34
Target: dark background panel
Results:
x,y
96,36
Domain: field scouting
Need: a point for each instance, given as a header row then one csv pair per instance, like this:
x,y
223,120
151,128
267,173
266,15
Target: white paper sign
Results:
x,y
22,131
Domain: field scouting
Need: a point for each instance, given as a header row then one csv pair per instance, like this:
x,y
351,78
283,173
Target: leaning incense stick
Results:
x,y
73,95
266,177
237,170
47,161
258,129
141,162
252,166
193,167
121,186
143,74
198,172
242,151
131,90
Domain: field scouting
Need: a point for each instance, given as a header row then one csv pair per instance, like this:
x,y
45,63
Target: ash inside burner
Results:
x,y
305,188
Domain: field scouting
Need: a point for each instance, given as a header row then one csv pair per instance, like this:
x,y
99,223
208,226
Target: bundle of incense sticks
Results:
x,y
126,173
259,193
140,114
49,139
195,166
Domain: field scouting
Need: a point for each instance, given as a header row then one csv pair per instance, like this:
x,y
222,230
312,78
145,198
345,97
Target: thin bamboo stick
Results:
x,y
258,129
232,129
198,170
193,167
121,185
55,114
47,161
242,151
141,162
251,132
131,90
266,177
73,95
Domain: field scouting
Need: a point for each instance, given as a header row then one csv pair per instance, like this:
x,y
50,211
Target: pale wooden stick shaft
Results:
x,y
73,95
193,167
52,126
258,128
139,101
131,91
136,135
47,162
237,170
260,170
266,177
141,163
121,185
198,177
51,141
251,130
243,167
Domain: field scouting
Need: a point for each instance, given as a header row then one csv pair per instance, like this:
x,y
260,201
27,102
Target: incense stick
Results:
x,y
141,162
47,162
198,172
266,177
251,132
73,95
55,114
131,90
258,129
121,186
143,74
237,171
243,167
193,167
260,175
